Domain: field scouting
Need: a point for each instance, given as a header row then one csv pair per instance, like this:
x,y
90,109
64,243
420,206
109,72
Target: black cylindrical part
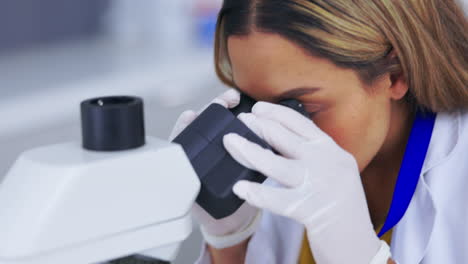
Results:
x,y
112,123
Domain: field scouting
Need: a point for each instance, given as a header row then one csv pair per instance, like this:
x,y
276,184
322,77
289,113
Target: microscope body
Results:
x,y
66,204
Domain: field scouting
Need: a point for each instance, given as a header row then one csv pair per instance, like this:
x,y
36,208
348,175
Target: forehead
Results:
x,y
264,65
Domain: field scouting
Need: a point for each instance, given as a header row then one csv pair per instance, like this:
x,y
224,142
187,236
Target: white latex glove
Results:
x,y
322,184
231,230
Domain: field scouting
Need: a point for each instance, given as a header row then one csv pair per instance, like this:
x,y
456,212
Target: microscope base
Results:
x,y
114,247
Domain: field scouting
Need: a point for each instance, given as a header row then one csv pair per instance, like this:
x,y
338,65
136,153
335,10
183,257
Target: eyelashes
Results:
x,y
313,109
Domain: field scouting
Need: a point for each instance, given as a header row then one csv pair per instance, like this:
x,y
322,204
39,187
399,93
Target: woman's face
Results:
x,y
265,66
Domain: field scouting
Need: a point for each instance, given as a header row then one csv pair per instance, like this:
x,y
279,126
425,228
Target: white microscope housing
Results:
x,y
65,204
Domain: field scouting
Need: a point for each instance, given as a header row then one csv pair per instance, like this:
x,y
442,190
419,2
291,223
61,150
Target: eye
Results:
x,y
312,109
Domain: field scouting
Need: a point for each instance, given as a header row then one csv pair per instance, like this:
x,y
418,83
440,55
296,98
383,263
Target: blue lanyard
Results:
x,y
410,170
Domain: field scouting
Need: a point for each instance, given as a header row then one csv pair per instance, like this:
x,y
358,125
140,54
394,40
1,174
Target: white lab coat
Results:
x,y
433,230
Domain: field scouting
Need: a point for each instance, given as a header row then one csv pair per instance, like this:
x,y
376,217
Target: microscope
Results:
x,y
119,196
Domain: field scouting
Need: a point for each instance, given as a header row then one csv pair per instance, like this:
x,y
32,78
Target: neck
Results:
x,y
393,149
380,175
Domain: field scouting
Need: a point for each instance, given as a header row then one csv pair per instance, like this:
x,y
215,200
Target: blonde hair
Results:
x,y
428,38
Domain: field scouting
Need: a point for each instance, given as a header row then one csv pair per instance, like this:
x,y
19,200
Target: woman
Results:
x,y
382,158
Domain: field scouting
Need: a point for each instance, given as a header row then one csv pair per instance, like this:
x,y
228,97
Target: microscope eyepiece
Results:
x,y
112,123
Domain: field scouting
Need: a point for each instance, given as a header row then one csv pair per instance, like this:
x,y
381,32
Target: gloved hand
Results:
x,y
231,230
322,184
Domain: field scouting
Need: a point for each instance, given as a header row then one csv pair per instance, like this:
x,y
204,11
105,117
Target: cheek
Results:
x,y
359,130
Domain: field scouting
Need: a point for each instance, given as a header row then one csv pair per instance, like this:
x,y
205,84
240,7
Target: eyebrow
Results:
x,y
293,93
296,92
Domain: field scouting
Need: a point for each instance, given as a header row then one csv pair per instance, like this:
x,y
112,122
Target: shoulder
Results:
x,y
448,150
464,122
452,130
449,137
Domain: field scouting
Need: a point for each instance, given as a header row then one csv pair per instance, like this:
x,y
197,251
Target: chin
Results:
x,y
363,163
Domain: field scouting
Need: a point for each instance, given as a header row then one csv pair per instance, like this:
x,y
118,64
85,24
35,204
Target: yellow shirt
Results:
x,y
305,256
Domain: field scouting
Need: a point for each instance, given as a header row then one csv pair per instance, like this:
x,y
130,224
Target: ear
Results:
x,y
398,87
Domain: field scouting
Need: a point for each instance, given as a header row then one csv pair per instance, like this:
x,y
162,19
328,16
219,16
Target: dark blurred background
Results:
x,y
25,23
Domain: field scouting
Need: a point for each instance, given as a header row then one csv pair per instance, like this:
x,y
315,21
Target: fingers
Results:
x,y
255,157
228,99
231,97
182,122
289,118
287,143
263,196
